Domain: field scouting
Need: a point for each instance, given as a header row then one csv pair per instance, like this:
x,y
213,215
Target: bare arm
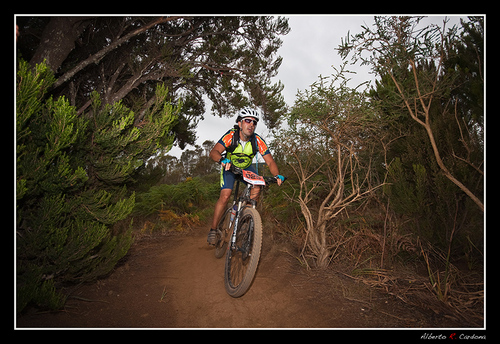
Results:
x,y
216,152
273,167
216,155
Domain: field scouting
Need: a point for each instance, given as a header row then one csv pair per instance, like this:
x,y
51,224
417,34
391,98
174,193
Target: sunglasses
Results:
x,y
248,120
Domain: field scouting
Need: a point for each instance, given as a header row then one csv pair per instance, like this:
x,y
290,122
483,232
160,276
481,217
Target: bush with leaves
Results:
x,y
71,172
185,197
329,146
431,88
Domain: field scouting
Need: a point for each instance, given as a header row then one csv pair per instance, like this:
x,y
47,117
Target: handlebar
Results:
x,y
268,180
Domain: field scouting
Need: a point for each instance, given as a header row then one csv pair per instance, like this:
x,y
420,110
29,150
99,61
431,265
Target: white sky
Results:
x,y
308,51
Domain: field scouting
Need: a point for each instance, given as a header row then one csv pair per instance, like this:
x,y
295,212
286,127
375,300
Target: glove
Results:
x,y
225,161
280,177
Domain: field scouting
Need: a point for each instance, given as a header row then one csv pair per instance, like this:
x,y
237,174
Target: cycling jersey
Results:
x,y
243,154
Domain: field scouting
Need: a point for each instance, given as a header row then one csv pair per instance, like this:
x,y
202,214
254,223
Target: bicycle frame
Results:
x,y
252,180
242,200
242,235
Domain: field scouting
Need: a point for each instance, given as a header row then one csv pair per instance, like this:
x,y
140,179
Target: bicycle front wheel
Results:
x,y
242,259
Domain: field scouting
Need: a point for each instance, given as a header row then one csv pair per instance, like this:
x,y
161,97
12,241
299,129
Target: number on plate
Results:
x,y
253,178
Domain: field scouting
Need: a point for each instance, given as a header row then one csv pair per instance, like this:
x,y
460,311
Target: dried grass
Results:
x,y
179,222
375,260
465,301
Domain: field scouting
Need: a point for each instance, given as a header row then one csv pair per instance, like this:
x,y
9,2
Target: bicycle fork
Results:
x,y
235,227
237,217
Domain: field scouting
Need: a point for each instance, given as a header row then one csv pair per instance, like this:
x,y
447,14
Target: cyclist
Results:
x,y
241,144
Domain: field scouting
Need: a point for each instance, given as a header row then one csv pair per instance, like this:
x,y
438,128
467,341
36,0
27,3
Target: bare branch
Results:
x,y
430,134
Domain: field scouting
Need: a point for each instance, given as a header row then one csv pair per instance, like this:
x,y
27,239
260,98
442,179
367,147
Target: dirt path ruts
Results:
x,y
175,281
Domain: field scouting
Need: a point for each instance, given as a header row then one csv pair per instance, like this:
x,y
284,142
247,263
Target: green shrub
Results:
x,y
70,181
184,198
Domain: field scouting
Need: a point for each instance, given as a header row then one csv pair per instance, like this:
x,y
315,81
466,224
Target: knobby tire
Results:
x,y
241,262
223,234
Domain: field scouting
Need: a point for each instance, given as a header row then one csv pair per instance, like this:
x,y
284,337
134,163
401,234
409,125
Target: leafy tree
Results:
x,y
431,91
229,59
164,168
70,176
413,59
465,61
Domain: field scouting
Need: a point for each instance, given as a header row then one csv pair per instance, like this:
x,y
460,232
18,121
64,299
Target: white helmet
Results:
x,y
248,112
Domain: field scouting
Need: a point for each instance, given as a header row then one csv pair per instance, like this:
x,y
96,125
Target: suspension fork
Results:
x,y
235,227
246,194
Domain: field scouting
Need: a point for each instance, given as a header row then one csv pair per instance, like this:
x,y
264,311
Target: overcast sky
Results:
x,y
308,51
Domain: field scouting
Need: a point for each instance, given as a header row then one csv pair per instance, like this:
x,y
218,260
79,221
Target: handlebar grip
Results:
x,y
235,170
284,178
274,179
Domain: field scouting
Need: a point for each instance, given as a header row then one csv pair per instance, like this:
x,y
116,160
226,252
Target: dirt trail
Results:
x,y
175,281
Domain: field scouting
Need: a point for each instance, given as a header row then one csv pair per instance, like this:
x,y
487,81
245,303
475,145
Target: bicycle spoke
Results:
x,y
240,255
237,272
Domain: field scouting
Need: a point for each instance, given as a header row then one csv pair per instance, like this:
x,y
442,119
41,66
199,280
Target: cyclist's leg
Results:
x,y
254,191
226,184
220,206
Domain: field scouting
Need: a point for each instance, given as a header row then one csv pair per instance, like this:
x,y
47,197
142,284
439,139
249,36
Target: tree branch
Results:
x,y
101,53
430,134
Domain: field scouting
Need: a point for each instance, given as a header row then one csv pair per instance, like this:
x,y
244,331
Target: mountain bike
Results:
x,y
239,234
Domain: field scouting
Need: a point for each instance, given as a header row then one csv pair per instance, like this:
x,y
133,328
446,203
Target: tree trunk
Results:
x,y
317,244
58,40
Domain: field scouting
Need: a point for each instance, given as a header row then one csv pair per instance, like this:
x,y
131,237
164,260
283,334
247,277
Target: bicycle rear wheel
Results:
x,y
243,259
223,233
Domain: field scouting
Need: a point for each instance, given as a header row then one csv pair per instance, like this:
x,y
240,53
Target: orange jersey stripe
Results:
x,y
261,144
227,138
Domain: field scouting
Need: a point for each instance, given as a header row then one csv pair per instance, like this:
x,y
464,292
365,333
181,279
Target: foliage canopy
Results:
x,y
228,59
70,175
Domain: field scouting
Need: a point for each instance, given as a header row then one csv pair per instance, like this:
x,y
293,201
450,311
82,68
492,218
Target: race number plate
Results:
x,y
253,178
